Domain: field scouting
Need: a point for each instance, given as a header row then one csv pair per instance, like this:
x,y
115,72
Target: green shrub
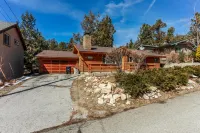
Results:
x,y
165,79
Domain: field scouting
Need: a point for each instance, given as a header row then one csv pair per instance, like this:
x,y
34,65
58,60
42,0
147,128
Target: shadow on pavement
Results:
x,y
38,86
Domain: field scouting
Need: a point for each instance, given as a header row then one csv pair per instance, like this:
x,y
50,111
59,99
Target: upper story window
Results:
x,y
16,42
6,39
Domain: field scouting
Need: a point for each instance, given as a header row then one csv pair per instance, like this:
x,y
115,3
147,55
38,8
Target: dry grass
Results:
x,y
6,90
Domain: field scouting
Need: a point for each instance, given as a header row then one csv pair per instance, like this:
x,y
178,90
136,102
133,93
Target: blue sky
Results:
x,y
60,18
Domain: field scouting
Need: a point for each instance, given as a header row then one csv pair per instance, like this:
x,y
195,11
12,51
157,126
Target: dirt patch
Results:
x,y
6,90
88,99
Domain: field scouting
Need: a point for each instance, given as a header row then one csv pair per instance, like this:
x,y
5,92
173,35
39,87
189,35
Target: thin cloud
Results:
x,y
120,9
150,6
195,4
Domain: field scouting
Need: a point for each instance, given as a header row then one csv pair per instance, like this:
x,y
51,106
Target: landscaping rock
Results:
x,y
146,97
128,102
152,88
106,88
123,97
109,96
194,76
155,96
190,87
102,85
112,100
191,82
183,87
159,95
100,101
116,96
97,90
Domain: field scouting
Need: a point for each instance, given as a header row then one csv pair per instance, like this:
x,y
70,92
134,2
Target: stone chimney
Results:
x,y
87,44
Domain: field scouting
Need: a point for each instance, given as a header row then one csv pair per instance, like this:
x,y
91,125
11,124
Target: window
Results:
x,y
90,57
6,39
16,42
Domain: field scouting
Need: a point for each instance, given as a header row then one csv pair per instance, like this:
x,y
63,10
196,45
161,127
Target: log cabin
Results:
x,y
88,58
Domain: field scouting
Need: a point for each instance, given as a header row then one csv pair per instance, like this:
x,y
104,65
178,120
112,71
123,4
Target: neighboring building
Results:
x,y
11,50
88,58
183,46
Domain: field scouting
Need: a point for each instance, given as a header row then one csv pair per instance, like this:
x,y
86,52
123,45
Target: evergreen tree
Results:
x,y
146,35
77,38
104,33
70,45
53,44
130,45
159,35
33,39
62,46
170,35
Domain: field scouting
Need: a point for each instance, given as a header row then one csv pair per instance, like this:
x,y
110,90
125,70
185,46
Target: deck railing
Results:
x,y
98,67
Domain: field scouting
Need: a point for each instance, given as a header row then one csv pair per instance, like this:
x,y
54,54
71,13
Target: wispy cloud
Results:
x,y
51,7
120,9
150,6
195,4
179,21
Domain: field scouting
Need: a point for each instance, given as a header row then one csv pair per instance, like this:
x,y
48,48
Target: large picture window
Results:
x,y
6,39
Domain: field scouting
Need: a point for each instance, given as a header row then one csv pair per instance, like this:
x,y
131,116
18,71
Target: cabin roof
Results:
x,y
95,49
147,53
57,54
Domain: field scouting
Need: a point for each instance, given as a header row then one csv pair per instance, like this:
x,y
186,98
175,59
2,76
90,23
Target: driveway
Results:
x,y
40,102
179,115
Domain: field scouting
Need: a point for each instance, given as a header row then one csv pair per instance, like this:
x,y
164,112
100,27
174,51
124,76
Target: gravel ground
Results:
x,y
38,103
178,115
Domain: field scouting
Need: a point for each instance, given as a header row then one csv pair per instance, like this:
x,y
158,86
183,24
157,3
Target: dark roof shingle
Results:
x,y
96,49
57,54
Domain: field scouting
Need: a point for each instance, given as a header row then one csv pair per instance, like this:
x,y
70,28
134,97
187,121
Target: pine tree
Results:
x,y
170,35
159,35
104,33
62,46
53,44
33,39
146,35
70,45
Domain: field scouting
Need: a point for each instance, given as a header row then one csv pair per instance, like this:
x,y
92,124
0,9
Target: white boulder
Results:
x,y
116,96
123,97
97,90
100,101
128,102
146,97
191,82
112,100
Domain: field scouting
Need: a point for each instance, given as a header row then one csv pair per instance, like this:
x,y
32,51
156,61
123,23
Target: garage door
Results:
x,y
56,66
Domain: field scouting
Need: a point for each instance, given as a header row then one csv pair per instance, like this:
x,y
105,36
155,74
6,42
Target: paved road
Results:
x,y
179,115
39,103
